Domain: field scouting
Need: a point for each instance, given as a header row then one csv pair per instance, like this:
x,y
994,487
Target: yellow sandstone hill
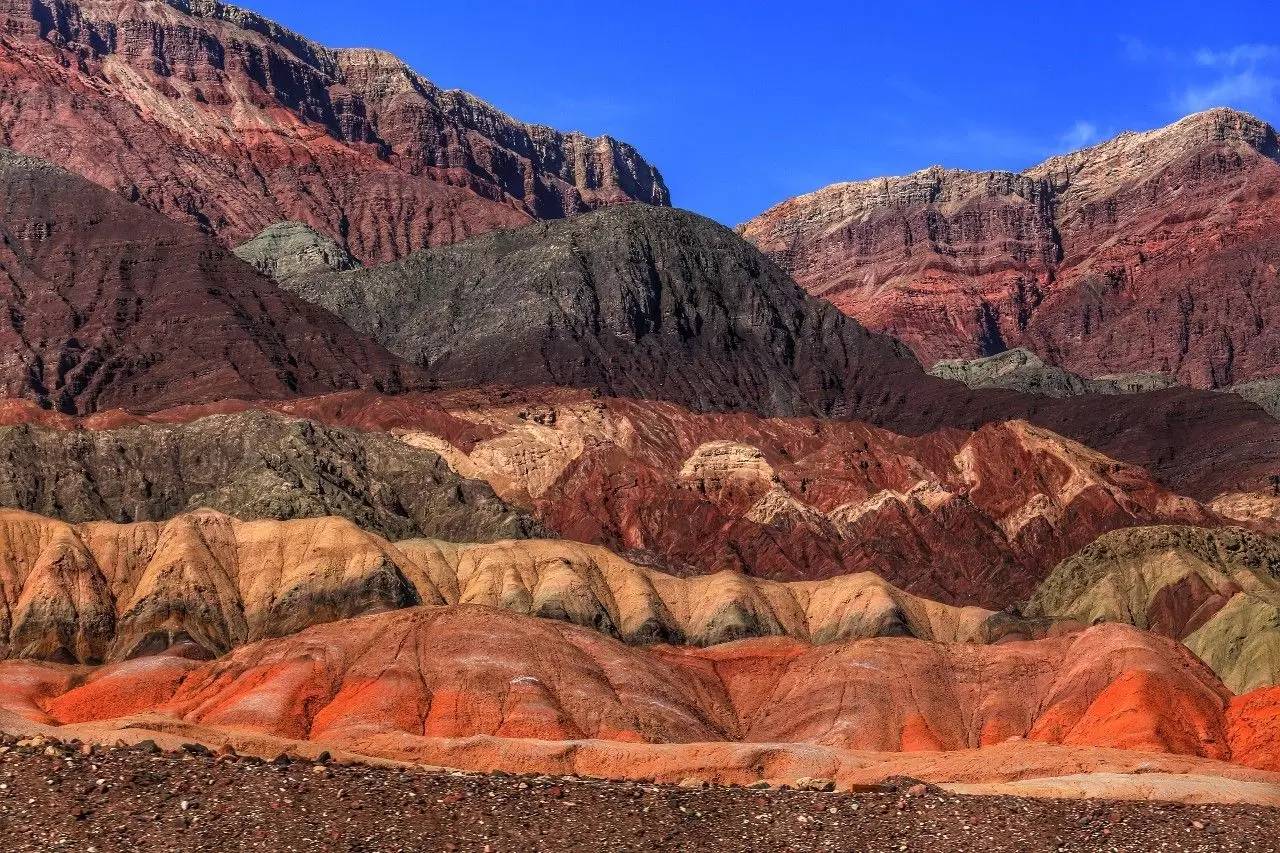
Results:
x,y
204,583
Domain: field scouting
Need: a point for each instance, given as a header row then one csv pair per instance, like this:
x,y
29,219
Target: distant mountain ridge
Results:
x,y
219,117
1152,252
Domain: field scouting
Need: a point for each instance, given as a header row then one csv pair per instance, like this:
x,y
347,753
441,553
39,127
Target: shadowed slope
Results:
x,y
633,301
110,305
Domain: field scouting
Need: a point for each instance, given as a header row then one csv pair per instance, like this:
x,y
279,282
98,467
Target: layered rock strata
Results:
x,y
1151,252
108,305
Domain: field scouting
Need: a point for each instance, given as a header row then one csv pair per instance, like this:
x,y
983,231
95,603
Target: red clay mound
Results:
x,y
1254,721
459,672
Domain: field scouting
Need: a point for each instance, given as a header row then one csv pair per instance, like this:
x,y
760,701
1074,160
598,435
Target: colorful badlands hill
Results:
x,y
447,667
966,517
476,687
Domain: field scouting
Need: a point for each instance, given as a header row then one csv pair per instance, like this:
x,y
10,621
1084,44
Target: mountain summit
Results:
x,y
1152,252
219,117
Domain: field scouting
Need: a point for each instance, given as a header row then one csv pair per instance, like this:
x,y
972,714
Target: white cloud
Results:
x,y
1245,76
1237,56
1081,135
1138,51
1247,88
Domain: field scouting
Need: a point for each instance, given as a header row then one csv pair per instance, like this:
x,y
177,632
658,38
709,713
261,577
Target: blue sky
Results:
x,y
742,104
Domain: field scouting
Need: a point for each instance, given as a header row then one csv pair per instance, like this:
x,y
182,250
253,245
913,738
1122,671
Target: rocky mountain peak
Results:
x,y
1110,260
1133,155
178,95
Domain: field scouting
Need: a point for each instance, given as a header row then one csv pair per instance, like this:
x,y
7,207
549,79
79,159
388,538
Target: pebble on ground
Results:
x,y
56,796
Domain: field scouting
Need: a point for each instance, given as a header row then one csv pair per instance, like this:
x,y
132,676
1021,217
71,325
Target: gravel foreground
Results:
x,y
65,797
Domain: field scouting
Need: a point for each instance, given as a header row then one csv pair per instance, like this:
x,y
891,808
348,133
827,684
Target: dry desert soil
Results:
x,y
64,797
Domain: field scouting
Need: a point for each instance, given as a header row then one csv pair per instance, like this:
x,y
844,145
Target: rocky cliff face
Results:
x,y
250,465
225,120
109,305
1152,252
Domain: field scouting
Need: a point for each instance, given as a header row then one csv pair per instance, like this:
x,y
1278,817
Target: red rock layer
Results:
x,y
111,305
220,118
1151,252
464,671
957,516
968,518
1255,736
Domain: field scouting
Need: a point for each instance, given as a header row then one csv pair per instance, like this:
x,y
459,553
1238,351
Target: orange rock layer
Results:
x,y
401,684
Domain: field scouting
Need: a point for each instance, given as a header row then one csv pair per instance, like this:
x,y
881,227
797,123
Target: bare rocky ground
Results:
x,y
64,797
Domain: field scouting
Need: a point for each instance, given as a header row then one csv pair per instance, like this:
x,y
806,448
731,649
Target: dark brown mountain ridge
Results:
x,y
111,305
663,304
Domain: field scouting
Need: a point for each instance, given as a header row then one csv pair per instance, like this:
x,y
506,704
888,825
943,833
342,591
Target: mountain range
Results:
x,y
1150,252
320,380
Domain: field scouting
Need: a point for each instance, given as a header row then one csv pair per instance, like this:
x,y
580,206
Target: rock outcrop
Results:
x,y
1218,591
1254,738
251,465
1265,393
1153,252
1023,371
1259,510
110,305
222,119
292,250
